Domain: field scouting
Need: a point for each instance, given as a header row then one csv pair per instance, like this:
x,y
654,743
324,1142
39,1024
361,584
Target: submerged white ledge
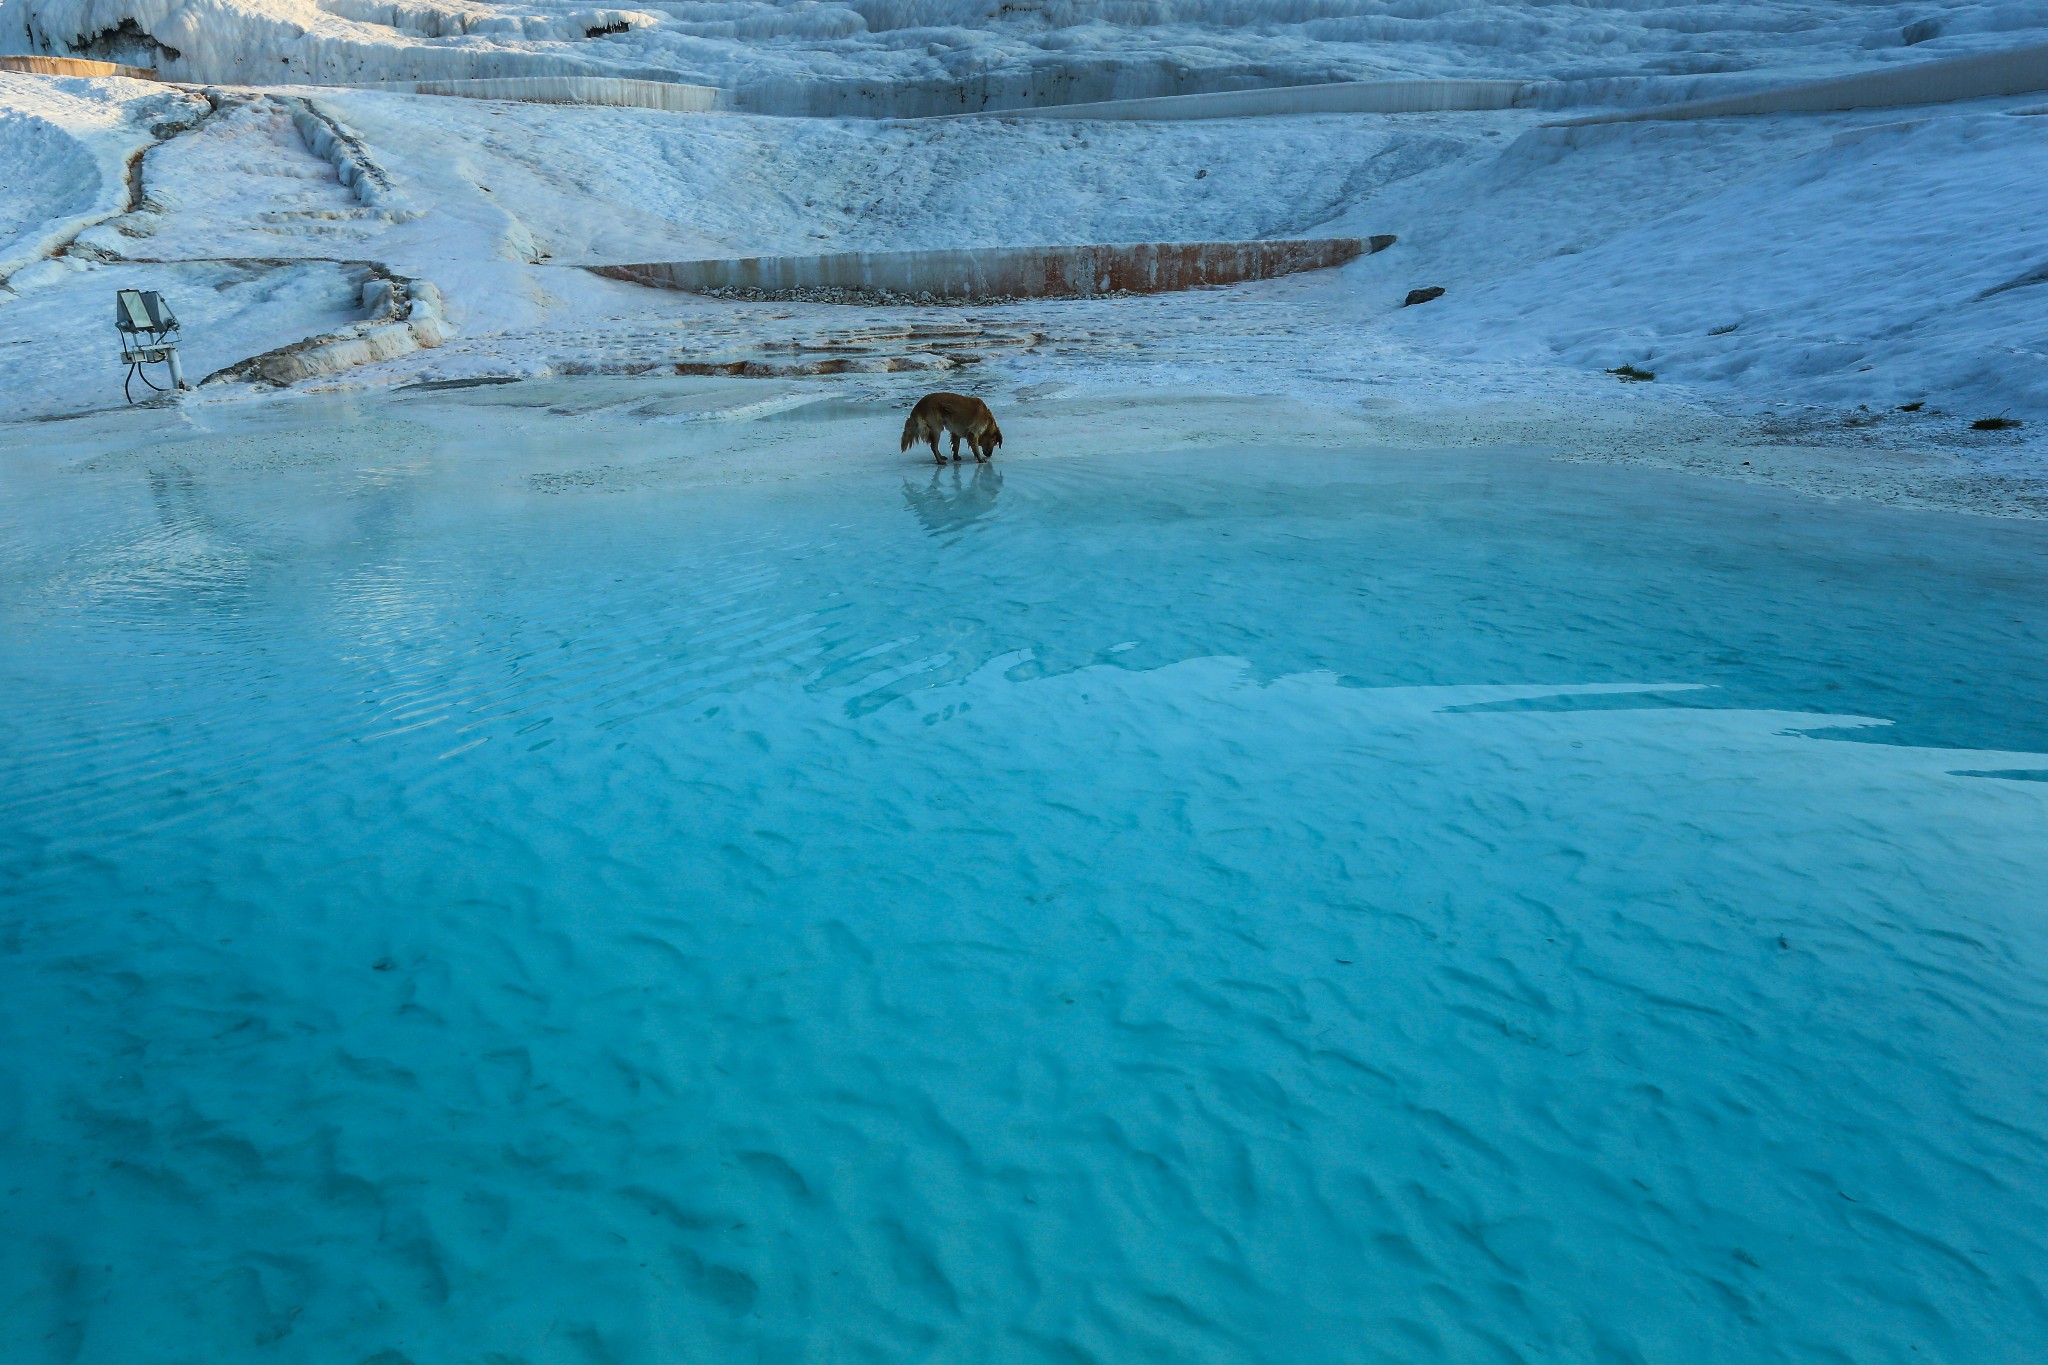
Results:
x,y
1338,97
1984,75
672,96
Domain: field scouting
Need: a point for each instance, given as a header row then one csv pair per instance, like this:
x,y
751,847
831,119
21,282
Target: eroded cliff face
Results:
x,y
915,57
335,41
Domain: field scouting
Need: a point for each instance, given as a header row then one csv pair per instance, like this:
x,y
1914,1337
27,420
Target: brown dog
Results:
x,y
956,415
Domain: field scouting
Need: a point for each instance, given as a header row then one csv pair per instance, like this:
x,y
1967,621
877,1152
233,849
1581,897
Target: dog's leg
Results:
x,y
932,436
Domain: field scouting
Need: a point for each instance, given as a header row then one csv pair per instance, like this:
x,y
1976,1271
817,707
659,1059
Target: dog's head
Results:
x,y
994,437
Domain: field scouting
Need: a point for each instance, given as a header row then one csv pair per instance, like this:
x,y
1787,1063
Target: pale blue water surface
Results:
x,y
1237,906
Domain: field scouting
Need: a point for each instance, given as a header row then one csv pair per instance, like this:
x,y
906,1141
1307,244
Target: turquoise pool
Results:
x,y
1242,906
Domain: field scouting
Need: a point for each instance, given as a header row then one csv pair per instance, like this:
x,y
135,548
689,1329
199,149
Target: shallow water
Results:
x,y
1236,906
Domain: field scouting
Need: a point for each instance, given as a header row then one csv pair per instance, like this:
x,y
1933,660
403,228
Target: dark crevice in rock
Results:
x,y
127,44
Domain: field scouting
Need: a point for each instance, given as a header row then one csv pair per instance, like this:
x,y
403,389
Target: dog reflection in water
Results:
x,y
955,415
948,503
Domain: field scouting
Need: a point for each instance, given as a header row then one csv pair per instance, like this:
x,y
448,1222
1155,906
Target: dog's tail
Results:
x,y
910,432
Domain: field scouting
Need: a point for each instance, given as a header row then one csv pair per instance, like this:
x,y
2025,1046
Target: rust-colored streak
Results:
x,y
73,66
1012,272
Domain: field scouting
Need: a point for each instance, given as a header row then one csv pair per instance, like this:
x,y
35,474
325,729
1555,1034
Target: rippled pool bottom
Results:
x,y
1248,906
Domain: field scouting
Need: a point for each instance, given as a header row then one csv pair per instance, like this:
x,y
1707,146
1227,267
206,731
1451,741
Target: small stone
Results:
x,y
1416,296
